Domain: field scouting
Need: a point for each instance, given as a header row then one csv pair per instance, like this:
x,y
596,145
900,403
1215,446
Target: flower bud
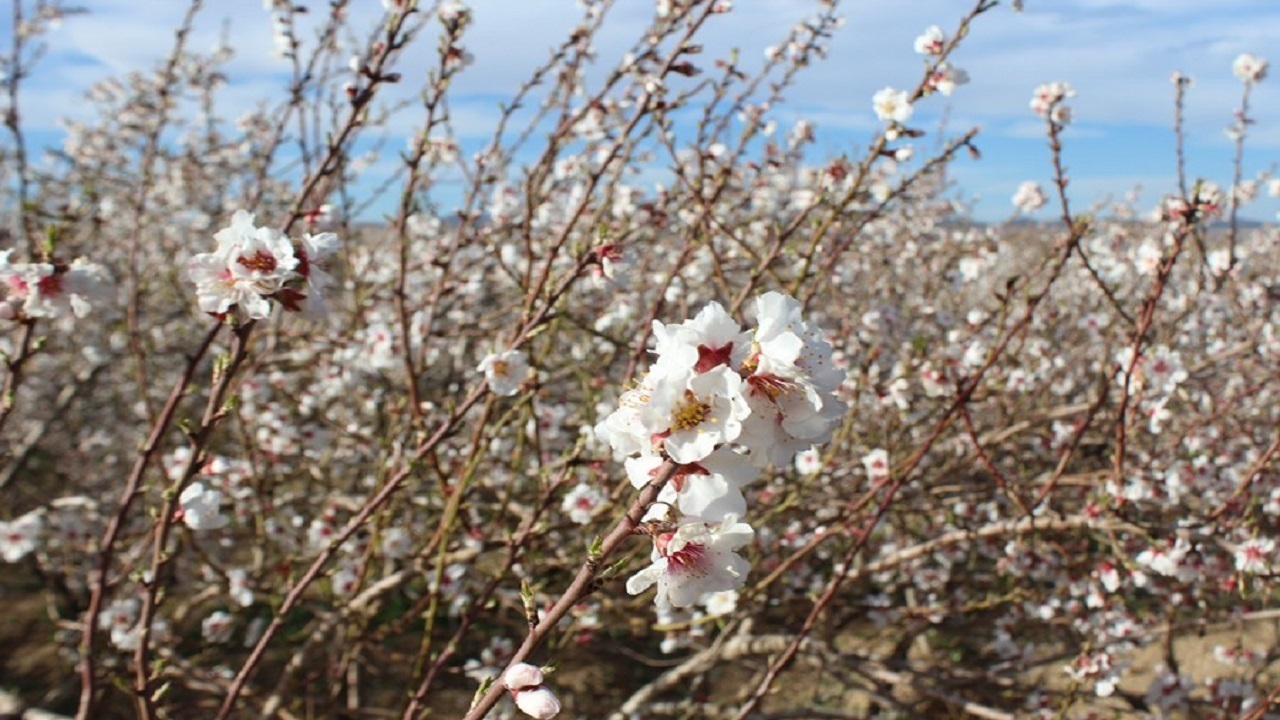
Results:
x,y
521,676
539,702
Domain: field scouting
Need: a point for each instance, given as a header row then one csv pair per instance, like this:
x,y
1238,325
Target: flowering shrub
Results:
x,y
266,457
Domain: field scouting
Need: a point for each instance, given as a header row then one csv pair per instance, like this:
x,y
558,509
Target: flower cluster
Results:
x,y
1030,197
253,265
51,289
1249,68
1206,200
945,77
1049,101
718,403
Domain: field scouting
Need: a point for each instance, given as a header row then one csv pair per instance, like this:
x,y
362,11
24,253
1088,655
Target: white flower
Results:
x,y
345,579
259,258
48,290
217,291
313,255
583,502
199,508
622,428
809,461
876,463
249,265
216,628
238,587
946,77
1249,68
396,543
451,10
616,264
696,559
504,371
120,614
791,388
778,325
711,339
892,105
1029,197
1047,101
721,603
20,537
1255,555
930,42
1163,369
252,265
694,417
710,489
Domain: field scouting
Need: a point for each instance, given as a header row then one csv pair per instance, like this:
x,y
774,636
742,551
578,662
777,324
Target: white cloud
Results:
x,y
1117,53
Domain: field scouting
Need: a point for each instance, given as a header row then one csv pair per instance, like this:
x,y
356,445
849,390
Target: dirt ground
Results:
x,y
595,678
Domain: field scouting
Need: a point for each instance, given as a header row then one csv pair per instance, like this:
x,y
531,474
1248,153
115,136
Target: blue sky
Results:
x,y
1118,54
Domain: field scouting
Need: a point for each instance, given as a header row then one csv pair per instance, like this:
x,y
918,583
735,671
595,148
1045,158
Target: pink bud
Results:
x,y
539,702
521,676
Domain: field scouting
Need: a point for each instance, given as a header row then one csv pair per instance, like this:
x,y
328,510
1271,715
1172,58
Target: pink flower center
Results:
x,y
689,559
50,285
304,263
712,357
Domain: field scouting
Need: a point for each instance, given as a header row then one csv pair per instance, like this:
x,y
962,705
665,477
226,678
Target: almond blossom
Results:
x,y
504,371
1029,197
253,265
200,508
694,560
892,105
931,41
52,289
20,537
1250,68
